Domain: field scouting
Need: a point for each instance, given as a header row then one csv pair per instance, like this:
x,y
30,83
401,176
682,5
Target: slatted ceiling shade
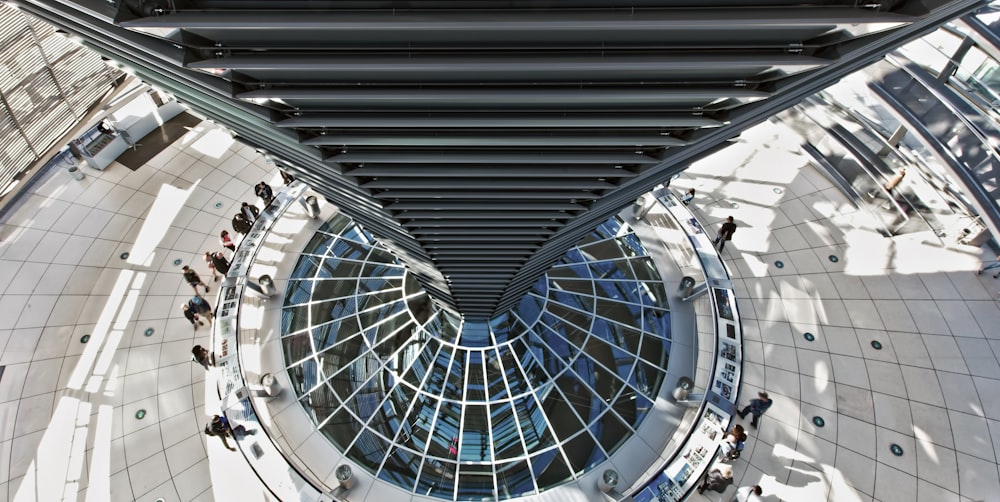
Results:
x,y
47,84
402,92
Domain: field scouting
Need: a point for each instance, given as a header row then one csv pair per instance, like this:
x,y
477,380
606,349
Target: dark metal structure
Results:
x,y
480,139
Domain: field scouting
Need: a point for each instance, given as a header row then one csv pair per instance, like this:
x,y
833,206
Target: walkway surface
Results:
x,y
69,410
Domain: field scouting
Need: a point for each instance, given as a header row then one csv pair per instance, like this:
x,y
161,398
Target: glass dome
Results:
x,y
463,410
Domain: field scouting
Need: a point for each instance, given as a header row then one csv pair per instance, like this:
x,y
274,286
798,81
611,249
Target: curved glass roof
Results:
x,y
461,410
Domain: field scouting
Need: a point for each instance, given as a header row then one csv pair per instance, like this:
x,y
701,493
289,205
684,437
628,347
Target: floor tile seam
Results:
x,y
204,456
175,443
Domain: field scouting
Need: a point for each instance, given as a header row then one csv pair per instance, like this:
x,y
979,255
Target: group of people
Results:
x,y
720,476
198,309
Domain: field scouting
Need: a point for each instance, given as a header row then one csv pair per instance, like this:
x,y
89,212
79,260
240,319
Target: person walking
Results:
x,y
757,407
748,494
718,479
688,196
226,241
249,212
286,177
732,444
219,426
193,279
726,232
211,266
191,316
991,266
241,224
201,306
202,356
264,191
220,263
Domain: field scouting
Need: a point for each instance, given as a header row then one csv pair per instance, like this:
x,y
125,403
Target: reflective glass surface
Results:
x,y
459,410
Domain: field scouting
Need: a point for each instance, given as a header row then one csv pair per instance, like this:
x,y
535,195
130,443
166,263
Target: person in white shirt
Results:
x,y
748,494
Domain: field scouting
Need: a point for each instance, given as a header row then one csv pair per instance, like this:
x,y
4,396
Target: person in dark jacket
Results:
x,y
249,212
757,407
717,479
240,224
725,233
220,263
264,191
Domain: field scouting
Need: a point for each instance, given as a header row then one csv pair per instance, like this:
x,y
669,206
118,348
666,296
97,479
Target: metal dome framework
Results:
x,y
509,407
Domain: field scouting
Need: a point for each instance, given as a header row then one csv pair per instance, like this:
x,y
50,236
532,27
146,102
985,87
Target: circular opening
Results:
x,y
896,449
124,255
140,414
779,264
809,336
876,345
177,261
84,338
819,422
833,258
149,331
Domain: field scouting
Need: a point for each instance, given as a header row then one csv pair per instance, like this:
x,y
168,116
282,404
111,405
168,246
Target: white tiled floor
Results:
x,y
932,388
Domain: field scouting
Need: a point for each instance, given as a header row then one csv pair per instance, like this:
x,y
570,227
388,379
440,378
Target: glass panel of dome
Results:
x,y
620,312
601,250
656,322
514,479
334,267
496,386
475,388
329,289
341,428
549,469
303,376
506,437
610,432
657,295
611,227
610,357
298,292
584,302
455,386
644,269
576,394
296,318
335,225
318,245
582,287
648,379
297,347
400,468
534,427
322,402
556,404
420,420
630,245
475,438
654,350
437,478
444,439
475,482
576,323
529,309
418,370
353,234
583,452
614,290
369,450
573,271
